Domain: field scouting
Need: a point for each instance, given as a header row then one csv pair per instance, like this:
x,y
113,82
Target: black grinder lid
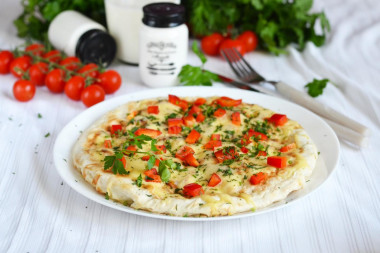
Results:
x,y
163,15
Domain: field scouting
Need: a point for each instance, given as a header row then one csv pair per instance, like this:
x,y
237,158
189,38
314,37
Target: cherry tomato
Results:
x,y
110,81
54,80
53,56
230,43
90,70
74,87
249,39
20,65
35,49
71,63
6,58
37,73
92,95
23,90
210,44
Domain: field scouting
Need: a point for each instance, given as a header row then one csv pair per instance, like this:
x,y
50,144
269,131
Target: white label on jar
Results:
x,y
160,55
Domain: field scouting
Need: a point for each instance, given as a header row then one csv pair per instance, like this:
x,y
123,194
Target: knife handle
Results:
x,y
323,110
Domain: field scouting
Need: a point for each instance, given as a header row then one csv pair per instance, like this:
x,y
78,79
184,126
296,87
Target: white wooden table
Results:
x,y
40,213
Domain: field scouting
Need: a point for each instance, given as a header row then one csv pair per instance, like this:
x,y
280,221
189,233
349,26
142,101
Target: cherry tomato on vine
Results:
x,y
90,70
37,73
35,49
92,95
110,81
249,39
211,43
54,80
74,87
24,90
53,56
71,63
6,58
230,43
20,65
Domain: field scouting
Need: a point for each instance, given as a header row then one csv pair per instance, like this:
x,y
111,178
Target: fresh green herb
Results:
x,y
191,75
262,127
39,115
148,195
227,172
218,128
170,116
47,135
115,162
277,23
107,197
198,129
139,181
315,88
151,162
163,170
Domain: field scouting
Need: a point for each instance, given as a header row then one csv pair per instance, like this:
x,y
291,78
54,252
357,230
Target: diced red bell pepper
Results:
x,y
175,122
145,158
115,128
288,147
212,144
228,102
258,135
219,155
107,144
174,130
152,175
200,101
193,137
153,109
214,180
244,150
192,190
195,110
200,117
277,161
258,178
189,120
184,105
235,118
219,113
262,153
190,160
226,154
183,152
278,119
149,132
174,99
215,137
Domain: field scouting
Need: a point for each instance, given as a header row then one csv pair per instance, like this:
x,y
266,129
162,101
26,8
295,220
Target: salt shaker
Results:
x,y
163,44
75,34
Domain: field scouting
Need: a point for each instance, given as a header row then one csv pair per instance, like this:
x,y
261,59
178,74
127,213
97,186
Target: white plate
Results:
x,y
322,135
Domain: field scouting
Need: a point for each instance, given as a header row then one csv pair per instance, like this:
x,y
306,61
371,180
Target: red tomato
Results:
x,y
153,109
6,58
152,176
288,147
215,137
183,152
214,180
193,137
258,135
110,81
278,119
258,178
20,65
192,190
249,39
200,101
219,113
37,73
190,160
228,102
71,63
200,117
23,90
213,144
174,130
53,56
54,80
74,87
92,95
244,150
148,132
189,120
35,49
90,70
107,144
115,129
210,44
175,122
277,161
235,118
229,43
262,153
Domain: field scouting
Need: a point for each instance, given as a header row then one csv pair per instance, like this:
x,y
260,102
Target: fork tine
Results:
x,y
229,59
244,68
234,61
246,63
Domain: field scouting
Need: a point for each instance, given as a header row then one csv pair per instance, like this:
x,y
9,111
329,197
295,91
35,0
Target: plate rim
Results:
x,y
119,100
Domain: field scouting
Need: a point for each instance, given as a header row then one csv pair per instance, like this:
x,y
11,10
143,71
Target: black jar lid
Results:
x,y
96,46
163,15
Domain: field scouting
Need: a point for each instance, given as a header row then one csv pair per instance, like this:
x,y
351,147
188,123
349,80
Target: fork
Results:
x,y
247,74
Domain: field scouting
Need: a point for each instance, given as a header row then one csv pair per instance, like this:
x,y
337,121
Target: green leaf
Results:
x,y
151,161
153,145
196,50
164,171
139,181
108,162
315,88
